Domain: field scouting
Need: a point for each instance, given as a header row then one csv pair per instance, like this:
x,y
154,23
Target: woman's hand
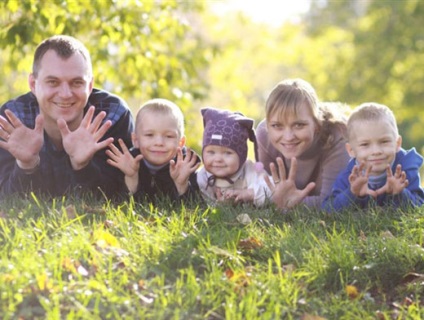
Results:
x,y
285,194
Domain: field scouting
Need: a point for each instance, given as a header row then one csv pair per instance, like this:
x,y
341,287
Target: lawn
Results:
x,y
68,259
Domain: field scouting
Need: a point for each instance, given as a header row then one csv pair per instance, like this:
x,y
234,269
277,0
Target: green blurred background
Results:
x,y
196,54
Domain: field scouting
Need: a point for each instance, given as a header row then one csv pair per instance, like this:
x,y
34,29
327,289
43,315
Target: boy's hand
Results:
x,y
21,142
358,180
285,194
395,183
82,143
181,170
124,160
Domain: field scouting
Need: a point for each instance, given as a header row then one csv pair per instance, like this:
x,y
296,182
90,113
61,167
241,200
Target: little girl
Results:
x,y
227,175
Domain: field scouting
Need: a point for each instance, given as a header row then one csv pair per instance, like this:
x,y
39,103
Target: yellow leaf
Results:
x,y
351,291
104,239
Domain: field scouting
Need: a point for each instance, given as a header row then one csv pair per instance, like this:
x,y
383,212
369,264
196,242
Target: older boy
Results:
x,y
159,165
380,172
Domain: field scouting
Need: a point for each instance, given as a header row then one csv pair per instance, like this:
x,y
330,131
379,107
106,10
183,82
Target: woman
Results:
x,y
306,139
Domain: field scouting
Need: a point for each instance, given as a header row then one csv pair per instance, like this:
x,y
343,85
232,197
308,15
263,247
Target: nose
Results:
x,y
288,134
65,90
159,140
376,149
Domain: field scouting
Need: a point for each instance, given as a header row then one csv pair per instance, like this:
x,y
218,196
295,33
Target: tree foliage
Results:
x,y
351,51
386,57
140,49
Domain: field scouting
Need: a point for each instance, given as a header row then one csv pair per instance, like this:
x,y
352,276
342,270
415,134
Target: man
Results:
x,y
53,138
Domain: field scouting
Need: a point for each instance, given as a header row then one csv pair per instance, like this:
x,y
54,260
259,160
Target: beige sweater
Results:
x,y
315,165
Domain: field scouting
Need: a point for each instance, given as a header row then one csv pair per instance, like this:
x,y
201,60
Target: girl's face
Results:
x,y
220,161
374,144
157,138
295,134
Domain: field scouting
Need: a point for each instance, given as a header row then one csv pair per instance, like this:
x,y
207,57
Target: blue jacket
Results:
x,y
341,197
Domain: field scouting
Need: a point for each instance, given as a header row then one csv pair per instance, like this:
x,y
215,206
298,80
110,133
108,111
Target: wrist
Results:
x,y
29,167
79,166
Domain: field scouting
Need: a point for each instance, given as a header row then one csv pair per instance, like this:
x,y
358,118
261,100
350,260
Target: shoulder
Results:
x,y
114,106
261,129
409,158
25,107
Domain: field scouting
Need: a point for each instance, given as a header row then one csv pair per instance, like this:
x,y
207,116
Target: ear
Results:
x,y
134,140
182,142
398,143
350,150
31,82
91,84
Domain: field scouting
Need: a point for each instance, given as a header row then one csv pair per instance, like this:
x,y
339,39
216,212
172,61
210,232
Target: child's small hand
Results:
x,y
181,169
395,183
124,160
240,195
358,180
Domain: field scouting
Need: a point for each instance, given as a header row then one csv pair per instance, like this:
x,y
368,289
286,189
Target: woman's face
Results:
x,y
295,134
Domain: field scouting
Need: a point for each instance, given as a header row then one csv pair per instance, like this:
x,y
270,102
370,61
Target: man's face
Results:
x,y
62,87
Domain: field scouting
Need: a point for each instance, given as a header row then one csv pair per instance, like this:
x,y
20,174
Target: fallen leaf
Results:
x,y
244,218
413,277
82,271
71,212
249,244
387,235
351,291
229,273
308,316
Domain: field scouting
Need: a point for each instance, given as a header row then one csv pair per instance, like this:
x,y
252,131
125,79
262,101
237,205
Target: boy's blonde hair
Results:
x,y
371,111
162,107
290,95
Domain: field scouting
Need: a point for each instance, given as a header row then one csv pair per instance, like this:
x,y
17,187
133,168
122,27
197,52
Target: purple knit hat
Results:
x,y
228,129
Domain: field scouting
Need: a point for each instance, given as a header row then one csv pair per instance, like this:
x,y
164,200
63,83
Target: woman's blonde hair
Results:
x,y
290,95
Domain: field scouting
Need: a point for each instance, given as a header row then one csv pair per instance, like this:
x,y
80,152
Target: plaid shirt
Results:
x,y
55,176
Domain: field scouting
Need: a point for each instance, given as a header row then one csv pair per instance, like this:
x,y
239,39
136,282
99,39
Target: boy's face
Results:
x,y
220,161
294,135
375,144
157,137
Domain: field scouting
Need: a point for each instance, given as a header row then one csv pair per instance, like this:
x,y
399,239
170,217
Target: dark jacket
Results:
x,y
55,176
159,186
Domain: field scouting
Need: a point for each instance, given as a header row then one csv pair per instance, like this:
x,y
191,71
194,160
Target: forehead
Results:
x,y
156,121
74,66
288,115
366,130
217,148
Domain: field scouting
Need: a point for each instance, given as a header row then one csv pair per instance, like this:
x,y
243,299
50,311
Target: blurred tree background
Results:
x,y
351,51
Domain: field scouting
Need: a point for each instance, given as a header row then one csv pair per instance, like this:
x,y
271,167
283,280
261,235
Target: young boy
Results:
x,y
227,175
159,164
380,172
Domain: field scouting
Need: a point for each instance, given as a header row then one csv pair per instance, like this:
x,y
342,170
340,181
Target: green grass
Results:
x,y
66,259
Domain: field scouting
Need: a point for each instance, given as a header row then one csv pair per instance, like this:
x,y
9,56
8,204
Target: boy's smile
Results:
x,y
157,138
374,144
